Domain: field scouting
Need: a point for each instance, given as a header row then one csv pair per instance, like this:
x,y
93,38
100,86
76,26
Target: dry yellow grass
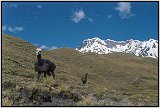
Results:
x,y
7,102
87,101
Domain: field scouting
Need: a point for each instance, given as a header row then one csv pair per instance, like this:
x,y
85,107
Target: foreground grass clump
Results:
x,y
115,79
48,81
7,102
87,101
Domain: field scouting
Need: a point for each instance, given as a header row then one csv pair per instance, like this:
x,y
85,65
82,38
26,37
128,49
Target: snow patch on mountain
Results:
x,y
139,48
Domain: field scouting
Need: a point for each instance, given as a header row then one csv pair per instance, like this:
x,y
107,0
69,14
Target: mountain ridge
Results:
x,y
139,48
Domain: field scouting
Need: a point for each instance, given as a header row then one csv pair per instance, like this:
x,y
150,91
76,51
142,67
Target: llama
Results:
x,y
84,79
43,65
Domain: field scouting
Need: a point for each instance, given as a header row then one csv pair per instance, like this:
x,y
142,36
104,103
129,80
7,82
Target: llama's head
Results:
x,y
86,74
38,50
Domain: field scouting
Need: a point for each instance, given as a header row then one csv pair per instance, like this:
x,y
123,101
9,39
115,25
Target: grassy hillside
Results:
x,y
115,79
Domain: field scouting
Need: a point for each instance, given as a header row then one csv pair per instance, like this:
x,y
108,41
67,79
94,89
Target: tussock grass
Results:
x,y
48,81
33,85
87,101
62,87
7,102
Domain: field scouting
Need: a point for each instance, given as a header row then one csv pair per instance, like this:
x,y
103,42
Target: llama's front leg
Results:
x,y
44,74
53,75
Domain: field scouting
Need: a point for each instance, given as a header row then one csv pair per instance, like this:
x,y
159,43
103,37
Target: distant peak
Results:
x,y
151,39
109,40
139,48
95,38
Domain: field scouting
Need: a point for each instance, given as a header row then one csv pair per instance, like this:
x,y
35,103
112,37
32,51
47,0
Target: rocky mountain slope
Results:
x,y
139,48
114,79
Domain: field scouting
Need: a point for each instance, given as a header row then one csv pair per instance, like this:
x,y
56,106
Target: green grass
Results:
x,y
113,76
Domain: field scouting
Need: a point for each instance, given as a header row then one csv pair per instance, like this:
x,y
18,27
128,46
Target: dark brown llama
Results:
x,y
43,66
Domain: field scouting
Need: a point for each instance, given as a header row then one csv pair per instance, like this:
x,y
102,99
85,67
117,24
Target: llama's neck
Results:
x,y
39,59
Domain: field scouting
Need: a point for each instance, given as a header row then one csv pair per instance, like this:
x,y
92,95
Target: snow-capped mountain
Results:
x,y
139,48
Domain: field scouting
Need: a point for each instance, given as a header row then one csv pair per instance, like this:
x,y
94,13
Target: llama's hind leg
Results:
x,y
53,75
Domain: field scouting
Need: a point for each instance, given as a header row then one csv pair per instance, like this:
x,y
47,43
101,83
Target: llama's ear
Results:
x,y
39,49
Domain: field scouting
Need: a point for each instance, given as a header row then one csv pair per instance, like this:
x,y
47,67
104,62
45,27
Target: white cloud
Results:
x,y
14,5
10,5
109,16
44,47
39,6
13,29
90,19
35,44
53,47
124,9
4,28
78,16
47,48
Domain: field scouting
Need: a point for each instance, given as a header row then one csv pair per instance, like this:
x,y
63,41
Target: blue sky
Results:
x,y
67,24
